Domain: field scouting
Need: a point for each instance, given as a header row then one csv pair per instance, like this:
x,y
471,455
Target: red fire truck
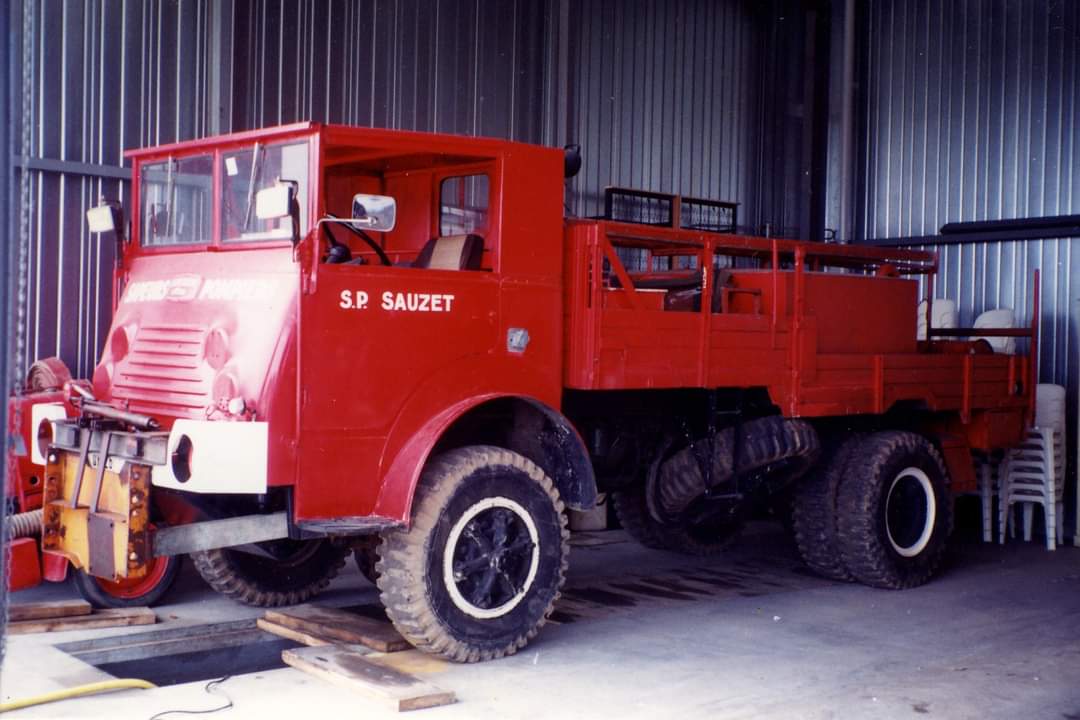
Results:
x,y
329,338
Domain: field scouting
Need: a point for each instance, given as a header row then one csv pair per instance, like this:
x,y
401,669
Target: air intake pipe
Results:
x,y
26,524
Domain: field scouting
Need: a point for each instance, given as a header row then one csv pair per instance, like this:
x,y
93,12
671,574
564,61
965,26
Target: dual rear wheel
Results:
x,y
877,512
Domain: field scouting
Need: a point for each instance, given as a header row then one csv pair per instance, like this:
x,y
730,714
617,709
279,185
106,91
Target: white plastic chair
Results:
x,y
986,472
998,318
1034,473
945,315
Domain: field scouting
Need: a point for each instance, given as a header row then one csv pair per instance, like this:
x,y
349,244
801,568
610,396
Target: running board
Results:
x,y
354,525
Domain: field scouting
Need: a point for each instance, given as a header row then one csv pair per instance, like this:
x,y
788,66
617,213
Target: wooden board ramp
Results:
x,y
119,617
352,670
19,612
337,626
304,638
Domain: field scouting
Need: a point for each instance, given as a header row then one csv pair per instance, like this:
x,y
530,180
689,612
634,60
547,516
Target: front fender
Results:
x,y
428,413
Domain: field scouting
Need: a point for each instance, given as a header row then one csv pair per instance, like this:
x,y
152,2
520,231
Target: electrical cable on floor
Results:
x,y
79,691
210,688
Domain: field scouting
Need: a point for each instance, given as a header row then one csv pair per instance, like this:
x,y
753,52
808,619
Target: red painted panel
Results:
x,y
25,565
380,342
194,329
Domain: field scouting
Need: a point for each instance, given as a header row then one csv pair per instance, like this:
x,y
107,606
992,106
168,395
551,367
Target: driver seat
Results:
x,y
451,252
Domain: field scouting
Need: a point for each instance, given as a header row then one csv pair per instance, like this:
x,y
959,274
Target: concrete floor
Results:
x,y
997,635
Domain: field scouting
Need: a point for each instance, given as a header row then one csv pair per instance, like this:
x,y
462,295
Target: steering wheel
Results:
x,y
383,257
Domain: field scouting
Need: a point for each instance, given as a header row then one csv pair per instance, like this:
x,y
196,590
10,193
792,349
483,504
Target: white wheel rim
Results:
x,y
459,600
929,497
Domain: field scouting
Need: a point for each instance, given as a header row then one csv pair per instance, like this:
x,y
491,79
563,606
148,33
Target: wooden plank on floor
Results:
x,y
412,662
98,619
304,638
352,670
340,626
19,612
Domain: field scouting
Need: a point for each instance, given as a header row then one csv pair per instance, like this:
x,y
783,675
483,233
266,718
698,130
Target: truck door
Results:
x,y
375,339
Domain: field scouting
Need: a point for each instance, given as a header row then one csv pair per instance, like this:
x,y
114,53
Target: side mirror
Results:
x,y
377,212
571,161
106,217
274,202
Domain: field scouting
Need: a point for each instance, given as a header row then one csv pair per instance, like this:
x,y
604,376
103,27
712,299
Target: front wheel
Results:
x,y
283,572
130,592
478,573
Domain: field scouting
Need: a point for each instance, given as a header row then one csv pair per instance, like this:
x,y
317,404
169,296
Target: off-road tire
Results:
x,y
814,517
366,557
144,593
632,510
413,563
263,582
764,441
875,471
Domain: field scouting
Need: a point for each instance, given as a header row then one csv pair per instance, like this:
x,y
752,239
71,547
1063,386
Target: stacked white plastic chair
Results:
x,y
945,316
986,472
998,318
1034,473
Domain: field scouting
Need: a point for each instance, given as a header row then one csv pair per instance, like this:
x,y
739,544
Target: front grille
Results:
x,y
164,373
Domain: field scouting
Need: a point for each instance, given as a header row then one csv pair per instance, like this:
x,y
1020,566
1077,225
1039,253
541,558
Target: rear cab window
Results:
x,y
463,205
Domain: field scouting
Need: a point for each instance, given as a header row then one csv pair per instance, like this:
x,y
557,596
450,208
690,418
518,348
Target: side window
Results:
x,y
463,205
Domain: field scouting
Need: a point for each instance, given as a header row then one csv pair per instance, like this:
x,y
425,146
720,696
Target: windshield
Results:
x,y
244,173
176,201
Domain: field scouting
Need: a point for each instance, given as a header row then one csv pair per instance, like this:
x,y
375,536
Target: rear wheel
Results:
x,y
894,511
132,592
814,517
290,571
479,570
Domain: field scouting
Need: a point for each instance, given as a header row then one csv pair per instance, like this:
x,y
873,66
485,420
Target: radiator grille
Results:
x,y
164,372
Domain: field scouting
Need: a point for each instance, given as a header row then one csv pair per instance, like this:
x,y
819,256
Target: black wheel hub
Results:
x,y
492,558
907,511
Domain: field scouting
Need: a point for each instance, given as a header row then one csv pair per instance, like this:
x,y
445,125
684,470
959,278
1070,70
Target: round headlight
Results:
x,y
216,350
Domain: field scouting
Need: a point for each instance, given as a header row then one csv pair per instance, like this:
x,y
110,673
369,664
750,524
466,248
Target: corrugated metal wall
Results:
x,y
102,77
690,97
971,111
473,67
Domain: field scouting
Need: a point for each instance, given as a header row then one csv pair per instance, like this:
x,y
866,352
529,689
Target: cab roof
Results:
x,y
347,143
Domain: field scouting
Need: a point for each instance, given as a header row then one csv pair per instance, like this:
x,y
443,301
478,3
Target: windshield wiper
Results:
x,y
256,165
170,188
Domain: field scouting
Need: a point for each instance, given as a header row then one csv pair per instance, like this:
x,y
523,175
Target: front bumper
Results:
x,y
97,499
98,485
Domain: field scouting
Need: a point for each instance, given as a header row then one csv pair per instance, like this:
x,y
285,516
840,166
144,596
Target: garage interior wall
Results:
x,y
971,111
692,98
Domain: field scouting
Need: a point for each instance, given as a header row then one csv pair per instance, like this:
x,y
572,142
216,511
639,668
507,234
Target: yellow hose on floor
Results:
x,y
79,691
